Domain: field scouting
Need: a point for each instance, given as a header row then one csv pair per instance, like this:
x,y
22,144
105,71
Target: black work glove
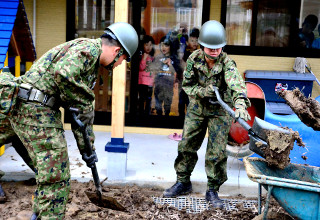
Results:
x,y
90,160
86,118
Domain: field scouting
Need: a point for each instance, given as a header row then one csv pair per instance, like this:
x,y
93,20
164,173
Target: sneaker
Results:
x,y
178,189
213,198
175,137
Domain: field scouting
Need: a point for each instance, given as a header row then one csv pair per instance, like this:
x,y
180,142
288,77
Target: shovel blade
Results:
x,y
260,128
256,145
258,140
105,201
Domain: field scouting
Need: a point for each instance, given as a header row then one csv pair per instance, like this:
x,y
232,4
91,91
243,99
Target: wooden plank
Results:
x,y
15,45
6,27
28,65
4,42
4,5
5,11
5,35
7,18
119,80
3,50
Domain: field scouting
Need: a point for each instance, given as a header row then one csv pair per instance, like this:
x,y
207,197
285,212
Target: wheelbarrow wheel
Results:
x,y
239,151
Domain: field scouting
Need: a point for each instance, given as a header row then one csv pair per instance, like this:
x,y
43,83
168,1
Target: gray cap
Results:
x,y
212,35
126,35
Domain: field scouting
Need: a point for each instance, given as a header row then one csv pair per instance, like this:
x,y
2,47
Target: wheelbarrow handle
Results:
x,y
230,111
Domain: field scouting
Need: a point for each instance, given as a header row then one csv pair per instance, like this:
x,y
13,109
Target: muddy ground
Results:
x,y
138,202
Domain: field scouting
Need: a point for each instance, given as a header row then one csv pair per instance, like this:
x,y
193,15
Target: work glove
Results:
x,y
90,160
209,91
86,118
241,112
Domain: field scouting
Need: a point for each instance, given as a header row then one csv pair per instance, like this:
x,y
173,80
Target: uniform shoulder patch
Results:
x,y
93,51
189,66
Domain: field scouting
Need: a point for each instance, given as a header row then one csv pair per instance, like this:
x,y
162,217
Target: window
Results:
x,y
168,24
171,19
273,27
92,16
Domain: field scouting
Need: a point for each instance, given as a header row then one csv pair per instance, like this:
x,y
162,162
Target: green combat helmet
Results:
x,y
126,35
212,35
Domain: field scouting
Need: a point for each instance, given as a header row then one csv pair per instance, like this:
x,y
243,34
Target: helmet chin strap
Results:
x,y
110,66
211,57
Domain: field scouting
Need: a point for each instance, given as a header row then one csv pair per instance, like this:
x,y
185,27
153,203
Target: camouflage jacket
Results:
x,y
223,75
68,72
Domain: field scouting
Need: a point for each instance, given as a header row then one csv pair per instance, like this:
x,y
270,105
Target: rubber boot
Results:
x,y
34,216
3,197
213,198
178,189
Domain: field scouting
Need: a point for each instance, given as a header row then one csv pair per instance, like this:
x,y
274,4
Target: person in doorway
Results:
x,y
192,45
145,83
165,67
207,68
63,77
316,42
306,35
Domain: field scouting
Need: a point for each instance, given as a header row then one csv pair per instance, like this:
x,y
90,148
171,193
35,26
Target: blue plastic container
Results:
x,y
268,81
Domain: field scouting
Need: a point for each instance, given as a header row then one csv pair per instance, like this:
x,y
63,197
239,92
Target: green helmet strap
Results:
x,y
110,66
211,57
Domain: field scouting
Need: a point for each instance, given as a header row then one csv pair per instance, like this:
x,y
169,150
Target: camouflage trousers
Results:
x,y
47,149
194,131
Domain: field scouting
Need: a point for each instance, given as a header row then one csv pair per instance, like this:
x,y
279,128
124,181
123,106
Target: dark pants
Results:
x,y
163,93
194,131
145,95
183,102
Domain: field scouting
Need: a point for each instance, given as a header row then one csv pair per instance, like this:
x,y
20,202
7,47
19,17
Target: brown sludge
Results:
x,y
280,144
307,109
137,201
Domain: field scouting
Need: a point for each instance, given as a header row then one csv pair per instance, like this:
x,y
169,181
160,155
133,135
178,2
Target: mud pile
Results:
x,y
280,144
138,202
307,109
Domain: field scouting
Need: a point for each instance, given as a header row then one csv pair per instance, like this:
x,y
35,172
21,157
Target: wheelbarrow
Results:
x,y
296,188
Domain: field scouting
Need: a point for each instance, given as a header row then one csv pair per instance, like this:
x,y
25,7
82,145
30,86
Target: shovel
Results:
x,y
258,131
97,198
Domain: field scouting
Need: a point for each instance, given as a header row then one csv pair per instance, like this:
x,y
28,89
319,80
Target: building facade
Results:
x,y
262,35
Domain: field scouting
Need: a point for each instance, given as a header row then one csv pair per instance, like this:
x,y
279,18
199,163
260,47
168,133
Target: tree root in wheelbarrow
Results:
x,y
280,144
307,109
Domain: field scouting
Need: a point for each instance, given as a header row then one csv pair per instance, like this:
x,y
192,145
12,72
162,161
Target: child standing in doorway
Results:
x,y
166,66
146,79
192,45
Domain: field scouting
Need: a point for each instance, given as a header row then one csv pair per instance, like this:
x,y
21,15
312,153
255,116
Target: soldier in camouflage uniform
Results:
x,y
205,68
64,76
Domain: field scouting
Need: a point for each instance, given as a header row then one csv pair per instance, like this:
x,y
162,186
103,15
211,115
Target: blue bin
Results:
x,y
268,80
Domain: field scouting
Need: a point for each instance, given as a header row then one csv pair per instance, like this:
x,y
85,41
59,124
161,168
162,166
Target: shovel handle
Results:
x,y
89,150
230,111
83,129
